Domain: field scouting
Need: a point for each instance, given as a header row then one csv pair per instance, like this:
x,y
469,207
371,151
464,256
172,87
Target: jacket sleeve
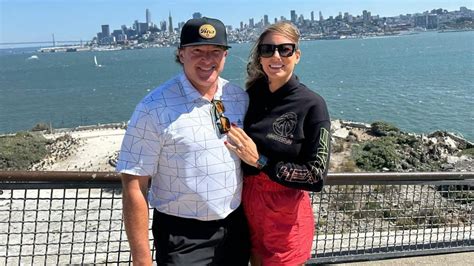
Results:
x,y
309,171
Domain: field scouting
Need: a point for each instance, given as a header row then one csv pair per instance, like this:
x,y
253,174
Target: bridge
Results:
x,y
40,42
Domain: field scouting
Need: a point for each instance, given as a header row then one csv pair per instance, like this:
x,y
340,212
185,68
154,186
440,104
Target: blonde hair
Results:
x,y
254,68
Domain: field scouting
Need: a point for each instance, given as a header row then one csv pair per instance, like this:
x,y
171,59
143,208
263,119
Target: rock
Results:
x,y
341,133
355,134
452,159
336,124
450,143
447,166
352,138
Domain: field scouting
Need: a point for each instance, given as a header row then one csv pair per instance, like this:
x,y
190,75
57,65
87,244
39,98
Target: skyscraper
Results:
x,y
367,17
265,20
197,15
105,31
163,26
170,26
148,17
293,16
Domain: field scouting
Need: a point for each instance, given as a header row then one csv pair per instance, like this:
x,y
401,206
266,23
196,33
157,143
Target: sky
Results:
x,y
71,20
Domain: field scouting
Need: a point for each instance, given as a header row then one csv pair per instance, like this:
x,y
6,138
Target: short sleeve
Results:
x,y
141,144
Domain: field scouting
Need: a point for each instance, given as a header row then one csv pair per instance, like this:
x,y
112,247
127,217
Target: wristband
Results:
x,y
262,161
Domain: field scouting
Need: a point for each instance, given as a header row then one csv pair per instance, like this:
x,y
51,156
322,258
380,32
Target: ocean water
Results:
x,y
421,83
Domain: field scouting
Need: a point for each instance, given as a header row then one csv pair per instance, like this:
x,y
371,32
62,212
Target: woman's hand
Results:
x,y
242,145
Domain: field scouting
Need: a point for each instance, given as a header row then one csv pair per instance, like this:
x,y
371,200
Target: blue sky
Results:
x,y
37,20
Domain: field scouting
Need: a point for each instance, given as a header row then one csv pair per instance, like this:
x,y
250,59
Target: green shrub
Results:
x,y
377,154
380,128
40,127
468,152
21,151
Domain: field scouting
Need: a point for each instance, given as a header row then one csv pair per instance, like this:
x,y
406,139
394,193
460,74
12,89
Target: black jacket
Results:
x,y
291,128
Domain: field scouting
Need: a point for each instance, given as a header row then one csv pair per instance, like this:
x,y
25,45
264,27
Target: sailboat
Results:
x,y
95,62
33,57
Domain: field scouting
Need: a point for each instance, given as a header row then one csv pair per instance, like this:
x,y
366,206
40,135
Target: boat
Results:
x,y
33,57
95,62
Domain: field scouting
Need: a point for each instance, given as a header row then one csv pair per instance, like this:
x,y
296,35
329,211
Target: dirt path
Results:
x,y
93,152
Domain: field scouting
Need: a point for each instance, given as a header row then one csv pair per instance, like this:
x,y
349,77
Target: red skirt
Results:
x,y
280,219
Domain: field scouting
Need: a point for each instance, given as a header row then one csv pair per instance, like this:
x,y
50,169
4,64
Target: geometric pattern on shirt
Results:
x,y
172,138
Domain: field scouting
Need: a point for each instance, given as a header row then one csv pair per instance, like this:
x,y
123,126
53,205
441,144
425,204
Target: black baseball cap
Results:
x,y
200,31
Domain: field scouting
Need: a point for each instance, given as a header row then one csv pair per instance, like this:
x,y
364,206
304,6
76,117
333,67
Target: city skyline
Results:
x,y
43,18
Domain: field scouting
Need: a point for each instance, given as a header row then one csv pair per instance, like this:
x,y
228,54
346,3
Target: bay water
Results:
x,y
419,82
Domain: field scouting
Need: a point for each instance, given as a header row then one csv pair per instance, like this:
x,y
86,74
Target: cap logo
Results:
x,y
207,31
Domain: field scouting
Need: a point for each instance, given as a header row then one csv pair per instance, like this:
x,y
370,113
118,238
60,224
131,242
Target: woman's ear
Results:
x,y
298,55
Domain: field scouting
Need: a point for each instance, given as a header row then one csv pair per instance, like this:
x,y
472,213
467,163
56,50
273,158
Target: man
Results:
x,y
173,157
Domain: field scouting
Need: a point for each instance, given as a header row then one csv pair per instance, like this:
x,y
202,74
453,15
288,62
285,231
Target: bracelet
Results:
x,y
262,161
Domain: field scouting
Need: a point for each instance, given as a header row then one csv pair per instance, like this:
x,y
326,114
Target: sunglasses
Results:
x,y
222,122
284,49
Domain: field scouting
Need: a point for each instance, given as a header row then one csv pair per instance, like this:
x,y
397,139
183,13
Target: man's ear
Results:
x,y
181,56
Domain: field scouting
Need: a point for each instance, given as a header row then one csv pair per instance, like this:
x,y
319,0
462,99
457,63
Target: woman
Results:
x,y
285,149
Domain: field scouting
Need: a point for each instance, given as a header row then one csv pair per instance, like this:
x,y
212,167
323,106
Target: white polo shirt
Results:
x,y
172,137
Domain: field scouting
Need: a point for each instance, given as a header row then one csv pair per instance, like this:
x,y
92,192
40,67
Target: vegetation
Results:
x,y
468,152
41,127
376,155
381,128
22,150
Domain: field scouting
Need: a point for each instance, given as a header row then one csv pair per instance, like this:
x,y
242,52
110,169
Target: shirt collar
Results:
x,y
192,94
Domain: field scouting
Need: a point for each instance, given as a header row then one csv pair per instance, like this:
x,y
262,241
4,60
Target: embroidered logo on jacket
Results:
x,y
283,128
318,165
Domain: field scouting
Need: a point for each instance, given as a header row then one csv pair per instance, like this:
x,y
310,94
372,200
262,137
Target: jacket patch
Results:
x,y
283,128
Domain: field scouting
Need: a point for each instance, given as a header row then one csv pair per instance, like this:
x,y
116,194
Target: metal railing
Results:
x,y
76,217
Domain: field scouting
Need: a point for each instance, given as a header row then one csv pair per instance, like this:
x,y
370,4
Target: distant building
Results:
x,y
321,17
142,28
170,26
312,16
293,16
265,20
120,36
300,19
427,21
366,16
163,26
148,17
197,15
251,23
105,31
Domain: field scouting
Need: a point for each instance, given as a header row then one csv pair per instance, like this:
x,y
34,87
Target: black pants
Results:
x,y
182,241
